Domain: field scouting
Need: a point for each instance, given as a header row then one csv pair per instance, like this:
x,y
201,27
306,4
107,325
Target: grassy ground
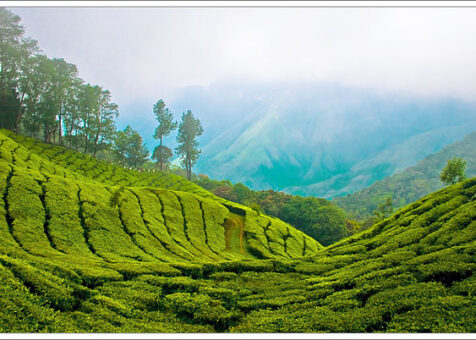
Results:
x,y
90,247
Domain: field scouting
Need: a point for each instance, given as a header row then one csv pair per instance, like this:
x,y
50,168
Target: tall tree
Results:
x,y
72,119
40,104
103,126
28,88
15,51
48,105
162,154
65,76
88,108
189,129
129,148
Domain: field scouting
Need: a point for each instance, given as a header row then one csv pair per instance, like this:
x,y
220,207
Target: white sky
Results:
x,y
142,53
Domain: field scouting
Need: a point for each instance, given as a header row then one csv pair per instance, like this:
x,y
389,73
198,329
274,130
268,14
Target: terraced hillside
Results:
x,y
80,255
72,204
56,160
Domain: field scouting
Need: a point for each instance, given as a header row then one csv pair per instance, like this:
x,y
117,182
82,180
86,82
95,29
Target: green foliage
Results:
x,y
316,217
158,260
189,129
129,148
384,210
453,172
114,200
165,119
45,98
162,154
330,225
9,107
408,185
255,207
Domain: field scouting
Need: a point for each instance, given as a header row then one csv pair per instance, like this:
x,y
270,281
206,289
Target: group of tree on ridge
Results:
x,y
46,99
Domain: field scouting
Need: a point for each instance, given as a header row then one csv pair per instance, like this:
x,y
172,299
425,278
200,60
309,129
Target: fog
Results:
x,y
150,53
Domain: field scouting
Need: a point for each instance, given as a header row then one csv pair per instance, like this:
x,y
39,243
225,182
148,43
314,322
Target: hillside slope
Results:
x,y
72,204
71,262
412,183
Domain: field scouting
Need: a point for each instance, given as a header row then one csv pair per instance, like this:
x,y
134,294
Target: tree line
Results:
x,y
45,98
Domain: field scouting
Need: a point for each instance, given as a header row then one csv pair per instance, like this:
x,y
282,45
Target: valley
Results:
x,y
92,247
237,169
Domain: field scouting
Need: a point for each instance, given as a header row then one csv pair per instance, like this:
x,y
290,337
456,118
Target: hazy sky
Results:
x,y
144,53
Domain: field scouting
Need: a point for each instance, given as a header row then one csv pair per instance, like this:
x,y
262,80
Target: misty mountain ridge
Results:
x,y
318,139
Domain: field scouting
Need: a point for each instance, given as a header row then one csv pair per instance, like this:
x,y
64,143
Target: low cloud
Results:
x,y
147,53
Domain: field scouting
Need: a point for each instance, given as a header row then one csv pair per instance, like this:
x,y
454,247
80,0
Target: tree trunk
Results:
x,y
161,161
60,113
69,133
60,134
189,168
75,138
19,114
96,140
86,128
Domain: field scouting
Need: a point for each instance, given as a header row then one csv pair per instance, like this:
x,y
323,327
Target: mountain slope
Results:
x,y
314,139
412,183
72,262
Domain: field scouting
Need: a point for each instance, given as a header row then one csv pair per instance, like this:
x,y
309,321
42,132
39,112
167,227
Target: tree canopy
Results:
x,y
454,171
129,147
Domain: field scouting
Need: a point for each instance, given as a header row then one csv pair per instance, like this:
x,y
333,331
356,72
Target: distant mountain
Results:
x,y
385,163
412,183
317,139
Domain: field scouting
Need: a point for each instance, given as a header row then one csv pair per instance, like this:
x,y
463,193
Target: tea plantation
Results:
x,y
87,246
